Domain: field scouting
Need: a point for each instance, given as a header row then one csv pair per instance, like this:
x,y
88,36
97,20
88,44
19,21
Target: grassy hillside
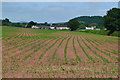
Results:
x,y
102,32
35,33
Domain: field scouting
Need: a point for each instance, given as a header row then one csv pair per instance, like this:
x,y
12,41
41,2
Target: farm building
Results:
x,y
52,28
59,27
41,26
34,26
90,28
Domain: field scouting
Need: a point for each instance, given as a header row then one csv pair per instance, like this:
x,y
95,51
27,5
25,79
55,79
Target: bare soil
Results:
x,y
16,66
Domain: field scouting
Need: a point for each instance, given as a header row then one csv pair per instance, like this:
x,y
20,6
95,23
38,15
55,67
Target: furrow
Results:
x,y
65,49
104,59
74,48
42,54
89,57
107,54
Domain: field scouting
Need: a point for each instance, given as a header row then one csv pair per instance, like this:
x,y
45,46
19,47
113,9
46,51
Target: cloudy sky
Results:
x,y
53,11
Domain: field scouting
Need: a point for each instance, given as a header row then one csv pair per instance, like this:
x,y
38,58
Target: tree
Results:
x,y
45,23
30,24
112,20
73,24
82,25
6,22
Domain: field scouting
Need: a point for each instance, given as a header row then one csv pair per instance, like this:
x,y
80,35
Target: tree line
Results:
x,y
111,21
7,22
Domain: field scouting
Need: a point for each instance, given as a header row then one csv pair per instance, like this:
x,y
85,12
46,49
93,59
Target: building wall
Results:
x,y
90,28
52,27
60,28
35,27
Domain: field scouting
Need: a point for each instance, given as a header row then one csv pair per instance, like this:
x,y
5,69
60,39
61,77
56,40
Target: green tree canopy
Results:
x,y
6,22
91,19
30,24
112,20
45,23
73,24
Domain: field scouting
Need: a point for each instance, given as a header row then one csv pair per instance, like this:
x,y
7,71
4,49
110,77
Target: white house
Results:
x,y
59,27
40,27
52,28
90,28
35,27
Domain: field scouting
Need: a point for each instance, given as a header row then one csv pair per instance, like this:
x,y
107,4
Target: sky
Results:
x,y
53,11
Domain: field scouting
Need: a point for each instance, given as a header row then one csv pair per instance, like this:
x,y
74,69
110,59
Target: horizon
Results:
x,y
53,12
43,22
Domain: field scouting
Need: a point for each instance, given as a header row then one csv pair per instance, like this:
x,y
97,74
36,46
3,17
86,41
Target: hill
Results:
x,y
87,20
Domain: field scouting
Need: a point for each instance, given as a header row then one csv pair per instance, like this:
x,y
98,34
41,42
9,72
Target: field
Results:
x,y
101,32
35,53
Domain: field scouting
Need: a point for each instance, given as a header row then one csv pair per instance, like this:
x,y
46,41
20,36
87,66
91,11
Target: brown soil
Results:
x,y
46,67
70,52
80,52
10,46
98,52
17,50
88,51
60,51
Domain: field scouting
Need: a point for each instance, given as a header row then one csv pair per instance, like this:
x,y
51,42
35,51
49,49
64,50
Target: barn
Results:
x,y
59,27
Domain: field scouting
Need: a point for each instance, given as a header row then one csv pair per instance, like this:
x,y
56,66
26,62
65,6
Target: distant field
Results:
x,y
35,53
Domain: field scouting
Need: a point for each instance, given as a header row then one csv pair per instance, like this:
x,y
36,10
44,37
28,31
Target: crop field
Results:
x,y
36,53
